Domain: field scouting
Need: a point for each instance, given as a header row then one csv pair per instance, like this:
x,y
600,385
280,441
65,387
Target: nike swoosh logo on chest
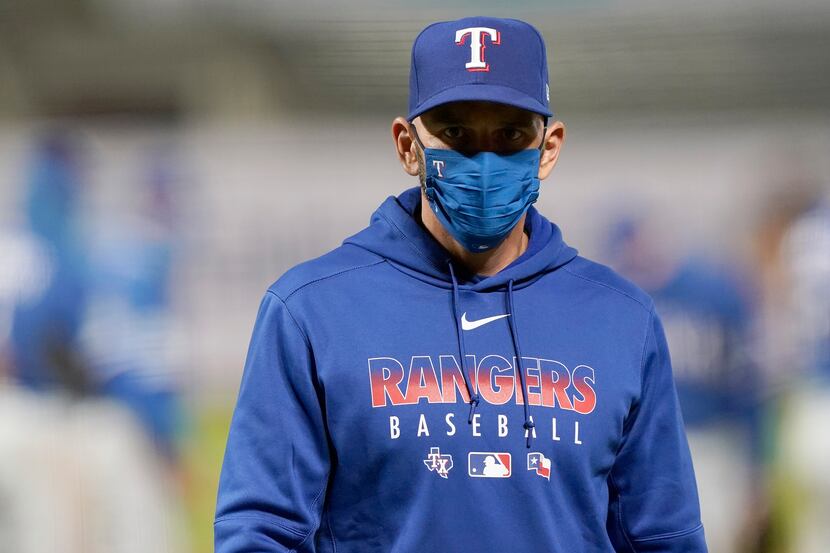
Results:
x,y
470,325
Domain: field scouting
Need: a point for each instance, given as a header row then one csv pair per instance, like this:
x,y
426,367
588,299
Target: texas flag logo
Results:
x,y
538,462
488,464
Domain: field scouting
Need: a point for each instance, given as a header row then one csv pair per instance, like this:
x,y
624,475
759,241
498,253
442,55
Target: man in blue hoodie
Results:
x,y
454,377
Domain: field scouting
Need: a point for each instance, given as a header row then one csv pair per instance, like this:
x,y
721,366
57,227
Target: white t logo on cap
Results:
x,y
476,34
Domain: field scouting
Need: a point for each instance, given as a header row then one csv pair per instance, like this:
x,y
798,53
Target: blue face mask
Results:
x,y
480,198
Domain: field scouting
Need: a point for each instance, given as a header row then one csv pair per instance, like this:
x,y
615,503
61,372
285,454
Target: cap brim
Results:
x,y
482,92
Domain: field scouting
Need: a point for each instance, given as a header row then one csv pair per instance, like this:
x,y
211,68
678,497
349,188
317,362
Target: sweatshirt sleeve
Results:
x,y
277,459
653,500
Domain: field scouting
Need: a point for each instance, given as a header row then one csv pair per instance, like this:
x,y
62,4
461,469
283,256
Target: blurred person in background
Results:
x,y
794,244
129,331
707,311
52,271
459,277
77,472
42,300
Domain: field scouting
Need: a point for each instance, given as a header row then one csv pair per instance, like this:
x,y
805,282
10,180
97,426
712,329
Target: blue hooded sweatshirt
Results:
x,y
356,429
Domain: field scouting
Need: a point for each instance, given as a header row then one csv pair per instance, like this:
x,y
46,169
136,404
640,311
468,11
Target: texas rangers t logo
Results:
x,y
439,165
476,35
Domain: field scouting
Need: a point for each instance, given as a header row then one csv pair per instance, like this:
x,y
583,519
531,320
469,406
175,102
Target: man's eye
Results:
x,y
453,133
512,134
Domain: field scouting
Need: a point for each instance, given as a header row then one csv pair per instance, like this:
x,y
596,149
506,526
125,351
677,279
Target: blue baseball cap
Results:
x,y
479,58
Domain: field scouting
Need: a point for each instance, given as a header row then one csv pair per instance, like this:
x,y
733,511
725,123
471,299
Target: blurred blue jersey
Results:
x,y
707,317
48,317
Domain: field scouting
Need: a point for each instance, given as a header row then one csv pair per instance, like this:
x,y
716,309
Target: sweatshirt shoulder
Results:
x,y
608,280
340,260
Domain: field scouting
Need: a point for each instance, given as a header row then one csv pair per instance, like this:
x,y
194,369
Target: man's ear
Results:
x,y
554,137
405,146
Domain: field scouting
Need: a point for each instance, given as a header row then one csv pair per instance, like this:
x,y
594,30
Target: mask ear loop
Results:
x,y
417,138
424,186
544,132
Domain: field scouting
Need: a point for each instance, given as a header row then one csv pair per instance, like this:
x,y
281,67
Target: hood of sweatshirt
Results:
x,y
395,233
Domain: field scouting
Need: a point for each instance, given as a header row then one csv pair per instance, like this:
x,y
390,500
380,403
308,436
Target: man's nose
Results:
x,y
483,142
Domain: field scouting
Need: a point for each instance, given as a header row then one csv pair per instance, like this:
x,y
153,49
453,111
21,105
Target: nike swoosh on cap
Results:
x,y
470,325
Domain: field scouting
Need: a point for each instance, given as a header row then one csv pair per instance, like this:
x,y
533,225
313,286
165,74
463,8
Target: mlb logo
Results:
x,y
488,464
539,463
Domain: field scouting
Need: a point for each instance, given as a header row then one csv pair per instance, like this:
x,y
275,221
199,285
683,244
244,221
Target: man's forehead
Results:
x,y
463,111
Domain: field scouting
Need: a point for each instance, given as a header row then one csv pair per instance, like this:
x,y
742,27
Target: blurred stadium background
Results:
x,y
163,161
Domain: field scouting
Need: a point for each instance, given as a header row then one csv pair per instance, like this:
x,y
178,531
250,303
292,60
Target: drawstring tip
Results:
x,y
474,400
529,425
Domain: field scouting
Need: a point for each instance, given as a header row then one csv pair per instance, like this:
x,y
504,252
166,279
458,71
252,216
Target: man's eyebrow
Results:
x,y
518,123
448,119
456,120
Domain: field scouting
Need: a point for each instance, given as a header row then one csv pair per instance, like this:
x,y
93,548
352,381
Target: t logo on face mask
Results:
x,y
476,35
439,165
